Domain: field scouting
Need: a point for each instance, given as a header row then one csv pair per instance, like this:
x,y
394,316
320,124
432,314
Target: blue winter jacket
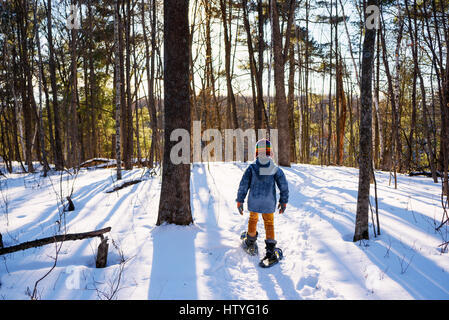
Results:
x,y
260,181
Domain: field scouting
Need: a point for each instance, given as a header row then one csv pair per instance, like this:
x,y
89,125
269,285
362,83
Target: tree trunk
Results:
x,y
428,144
93,86
74,158
255,79
365,156
445,106
129,153
40,79
291,104
397,109
149,63
22,20
123,101
378,139
342,115
279,82
352,149
337,90
231,103
59,159
118,87
209,68
329,125
394,104
306,125
443,86
137,83
174,205
261,46
15,111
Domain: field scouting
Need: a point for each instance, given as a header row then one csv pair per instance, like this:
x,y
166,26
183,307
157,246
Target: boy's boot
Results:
x,y
251,241
273,254
270,245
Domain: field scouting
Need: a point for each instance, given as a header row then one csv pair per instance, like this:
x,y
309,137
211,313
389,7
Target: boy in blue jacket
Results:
x,y
261,178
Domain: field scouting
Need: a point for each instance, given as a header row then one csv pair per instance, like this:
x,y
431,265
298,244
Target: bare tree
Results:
x,y
365,156
118,87
58,156
126,109
280,55
73,143
150,66
226,15
40,80
255,69
174,205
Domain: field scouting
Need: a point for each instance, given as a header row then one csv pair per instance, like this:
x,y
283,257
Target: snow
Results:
x,y
204,260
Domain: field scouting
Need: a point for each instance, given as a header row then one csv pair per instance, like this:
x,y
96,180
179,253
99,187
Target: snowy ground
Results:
x,y
204,261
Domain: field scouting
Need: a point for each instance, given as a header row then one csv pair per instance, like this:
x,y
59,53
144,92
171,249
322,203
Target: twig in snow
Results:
x,y
114,282
387,254
34,295
405,264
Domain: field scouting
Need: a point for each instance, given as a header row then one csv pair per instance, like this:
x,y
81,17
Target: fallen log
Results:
x,y
98,162
57,238
424,173
124,185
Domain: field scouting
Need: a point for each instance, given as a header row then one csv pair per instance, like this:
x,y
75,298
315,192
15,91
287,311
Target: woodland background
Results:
x,y
57,73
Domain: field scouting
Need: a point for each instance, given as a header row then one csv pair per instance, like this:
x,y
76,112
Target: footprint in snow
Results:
x,y
310,281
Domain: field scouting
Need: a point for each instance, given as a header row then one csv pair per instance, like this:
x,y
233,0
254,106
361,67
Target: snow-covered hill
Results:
x,y
204,261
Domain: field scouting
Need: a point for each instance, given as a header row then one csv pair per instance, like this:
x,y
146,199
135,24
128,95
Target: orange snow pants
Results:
x,y
268,219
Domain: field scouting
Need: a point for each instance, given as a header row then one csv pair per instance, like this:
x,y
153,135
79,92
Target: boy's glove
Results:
x,y
282,207
240,207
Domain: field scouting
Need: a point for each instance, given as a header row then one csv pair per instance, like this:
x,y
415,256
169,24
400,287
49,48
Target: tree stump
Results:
x,y
102,253
69,206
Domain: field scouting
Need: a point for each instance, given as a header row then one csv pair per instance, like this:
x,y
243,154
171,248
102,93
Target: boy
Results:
x,y
260,179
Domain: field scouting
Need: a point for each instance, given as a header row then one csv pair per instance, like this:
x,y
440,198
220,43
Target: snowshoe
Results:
x,y
249,244
273,255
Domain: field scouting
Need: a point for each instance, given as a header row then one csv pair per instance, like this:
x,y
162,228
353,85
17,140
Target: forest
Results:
x,y
81,80
58,67
343,89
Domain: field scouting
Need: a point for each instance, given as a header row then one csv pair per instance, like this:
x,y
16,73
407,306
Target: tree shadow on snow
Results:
x,y
421,277
173,271
215,252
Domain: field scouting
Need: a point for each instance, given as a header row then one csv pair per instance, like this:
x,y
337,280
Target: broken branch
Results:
x,y
57,238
